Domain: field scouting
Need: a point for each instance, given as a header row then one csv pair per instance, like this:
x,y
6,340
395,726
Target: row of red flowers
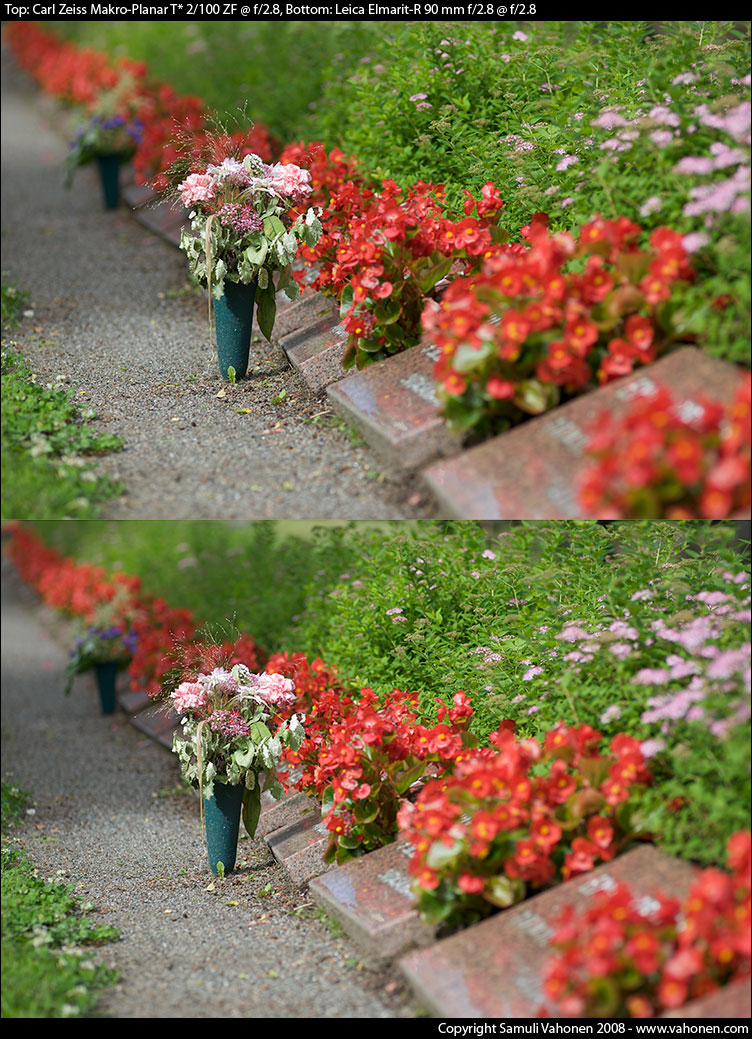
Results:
x,y
488,824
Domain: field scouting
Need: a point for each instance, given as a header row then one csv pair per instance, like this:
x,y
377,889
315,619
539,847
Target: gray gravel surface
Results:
x,y
115,321
110,818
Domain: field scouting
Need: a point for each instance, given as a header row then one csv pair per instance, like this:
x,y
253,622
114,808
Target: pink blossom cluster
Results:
x,y
275,690
189,696
242,219
285,180
231,724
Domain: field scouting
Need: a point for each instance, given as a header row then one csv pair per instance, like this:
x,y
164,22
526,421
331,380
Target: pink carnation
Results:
x,y
289,180
275,690
198,187
189,696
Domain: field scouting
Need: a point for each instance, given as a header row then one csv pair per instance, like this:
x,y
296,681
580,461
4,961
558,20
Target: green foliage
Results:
x,y
14,301
232,65
46,449
46,971
14,803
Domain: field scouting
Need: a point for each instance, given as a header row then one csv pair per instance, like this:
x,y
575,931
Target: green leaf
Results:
x,y
273,227
388,312
440,270
257,254
266,310
251,809
409,777
502,891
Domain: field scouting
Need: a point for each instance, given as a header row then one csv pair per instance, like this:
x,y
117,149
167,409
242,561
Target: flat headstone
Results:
x,y
495,968
531,472
276,814
731,1001
317,357
157,724
371,899
134,701
137,195
394,405
299,848
304,318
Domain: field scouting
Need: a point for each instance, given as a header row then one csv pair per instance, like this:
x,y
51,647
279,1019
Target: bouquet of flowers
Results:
x,y
100,644
230,732
103,135
248,219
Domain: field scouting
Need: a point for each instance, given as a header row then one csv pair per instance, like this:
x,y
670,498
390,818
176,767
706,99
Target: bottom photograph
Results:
x,y
409,770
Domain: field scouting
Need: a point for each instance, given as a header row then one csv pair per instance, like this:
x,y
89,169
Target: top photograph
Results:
x,y
375,270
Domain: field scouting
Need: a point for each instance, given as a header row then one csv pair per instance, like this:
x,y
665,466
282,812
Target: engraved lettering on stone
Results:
x,y
406,849
604,882
690,410
528,985
642,387
321,828
646,905
433,353
534,926
421,386
563,498
566,431
340,331
397,881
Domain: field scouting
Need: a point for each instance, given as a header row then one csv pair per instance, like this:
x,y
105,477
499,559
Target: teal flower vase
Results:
x,y
109,174
106,675
233,319
222,822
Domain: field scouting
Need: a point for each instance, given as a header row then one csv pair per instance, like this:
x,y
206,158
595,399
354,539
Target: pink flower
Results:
x,y
289,180
519,35
198,187
276,690
189,696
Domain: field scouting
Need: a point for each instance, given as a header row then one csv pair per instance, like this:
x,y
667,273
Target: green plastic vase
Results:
x,y
233,319
109,174
222,822
106,674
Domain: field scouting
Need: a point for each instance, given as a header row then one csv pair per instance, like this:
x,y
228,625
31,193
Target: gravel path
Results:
x,y
110,817
113,320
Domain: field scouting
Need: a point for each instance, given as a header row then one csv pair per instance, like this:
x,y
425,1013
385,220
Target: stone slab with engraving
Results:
x,y
276,814
317,356
531,472
393,404
495,968
304,318
299,848
370,897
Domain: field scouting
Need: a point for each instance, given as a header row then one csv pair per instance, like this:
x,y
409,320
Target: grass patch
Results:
x,y
47,449
48,969
14,302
